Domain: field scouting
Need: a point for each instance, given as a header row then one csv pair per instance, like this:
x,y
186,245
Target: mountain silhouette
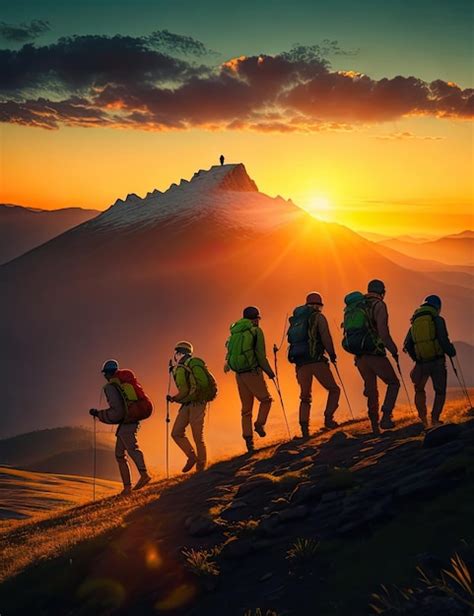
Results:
x,y
24,228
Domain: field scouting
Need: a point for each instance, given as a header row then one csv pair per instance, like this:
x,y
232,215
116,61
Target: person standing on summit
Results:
x,y
309,339
221,158
427,343
246,356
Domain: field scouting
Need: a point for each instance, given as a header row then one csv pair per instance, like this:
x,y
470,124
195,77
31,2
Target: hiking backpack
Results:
x,y
423,333
200,390
240,345
360,336
303,348
138,404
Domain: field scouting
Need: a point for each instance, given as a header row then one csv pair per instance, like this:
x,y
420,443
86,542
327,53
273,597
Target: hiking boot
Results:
x,y
141,483
375,426
436,422
127,490
330,424
259,429
189,464
425,422
249,443
387,423
200,467
304,430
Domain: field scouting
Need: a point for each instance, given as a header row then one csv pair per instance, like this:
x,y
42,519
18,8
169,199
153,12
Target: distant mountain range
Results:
x,y
66,450
182,264
455,249
24,228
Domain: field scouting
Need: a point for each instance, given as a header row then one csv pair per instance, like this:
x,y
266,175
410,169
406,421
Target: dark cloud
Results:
x,y
178,43
22,33
122,82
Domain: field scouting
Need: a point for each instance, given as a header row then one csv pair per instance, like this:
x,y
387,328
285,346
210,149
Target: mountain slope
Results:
x,y
24,228
183,264
369,509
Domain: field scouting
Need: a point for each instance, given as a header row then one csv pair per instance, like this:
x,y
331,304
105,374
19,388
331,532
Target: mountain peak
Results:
x,y
225,177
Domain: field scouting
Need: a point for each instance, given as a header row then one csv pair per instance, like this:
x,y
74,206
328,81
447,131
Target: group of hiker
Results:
x,y
366,335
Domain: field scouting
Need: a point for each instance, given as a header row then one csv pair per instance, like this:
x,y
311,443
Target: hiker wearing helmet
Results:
x,y
246,356
124,396
309,340
427,343
196,387
367,336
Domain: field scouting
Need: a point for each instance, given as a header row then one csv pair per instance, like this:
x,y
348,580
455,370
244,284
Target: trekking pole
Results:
x,y
343,389
170,368
94,466
461,381
276,380
404,385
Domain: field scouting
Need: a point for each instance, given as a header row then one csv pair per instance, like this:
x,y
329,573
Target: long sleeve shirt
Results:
x,y
115,412
261,353
322,329
380,321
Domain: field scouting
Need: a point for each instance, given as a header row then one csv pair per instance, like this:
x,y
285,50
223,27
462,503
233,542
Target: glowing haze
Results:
x,y
359,128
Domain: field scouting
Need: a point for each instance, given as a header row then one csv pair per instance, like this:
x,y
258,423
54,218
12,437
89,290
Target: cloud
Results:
x,y
177,43
127,82
22,33
406,135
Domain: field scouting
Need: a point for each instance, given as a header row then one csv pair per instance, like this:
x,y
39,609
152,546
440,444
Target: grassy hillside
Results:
x,y
299,528
26,494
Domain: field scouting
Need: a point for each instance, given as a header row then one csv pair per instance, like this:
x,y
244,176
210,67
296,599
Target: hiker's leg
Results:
x,y
439,376
370,388
246,399
260,391
122,462
179,431
419,377
384,370
325,377
197,413
128,434
304,376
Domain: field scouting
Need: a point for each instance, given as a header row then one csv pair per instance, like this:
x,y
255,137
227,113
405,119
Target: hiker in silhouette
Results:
x,y
309,340
221,158
196,388
427,343
375,364
126,433
246,356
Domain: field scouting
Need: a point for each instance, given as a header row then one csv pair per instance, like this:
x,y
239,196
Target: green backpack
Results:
x,y
423,333
360,336
302,348
240,345
202,384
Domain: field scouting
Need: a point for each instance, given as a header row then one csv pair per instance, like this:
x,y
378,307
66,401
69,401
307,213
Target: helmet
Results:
x,y
314,298
251,312
433,300
110,367
183,346
376,286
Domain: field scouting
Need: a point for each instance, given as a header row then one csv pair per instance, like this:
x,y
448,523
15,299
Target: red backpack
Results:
x,y
139,406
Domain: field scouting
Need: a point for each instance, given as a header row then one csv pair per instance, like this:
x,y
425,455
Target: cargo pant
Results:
x,y
372,367
252,385
322,373
127,445
191,414
436,371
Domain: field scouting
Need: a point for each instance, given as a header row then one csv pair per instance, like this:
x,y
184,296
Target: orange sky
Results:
x,y
404,176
